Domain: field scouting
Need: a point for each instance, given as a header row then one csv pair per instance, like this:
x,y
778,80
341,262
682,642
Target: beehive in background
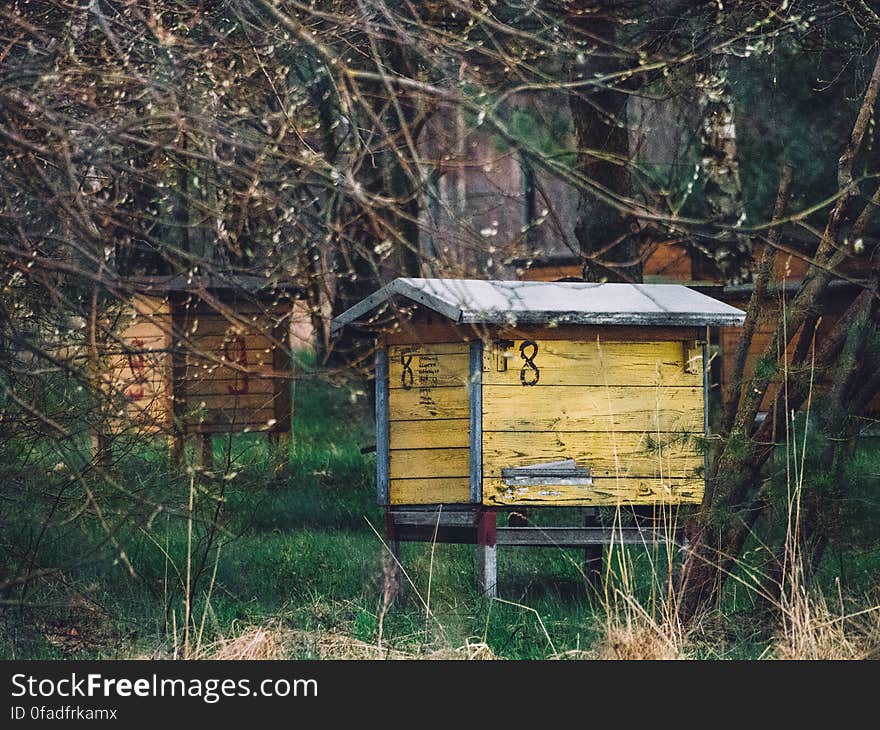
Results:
x,y
232,364
663,263
538,393
202,357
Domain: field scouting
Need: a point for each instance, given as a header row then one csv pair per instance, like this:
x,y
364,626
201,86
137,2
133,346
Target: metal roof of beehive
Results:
x,y
468,301
219,282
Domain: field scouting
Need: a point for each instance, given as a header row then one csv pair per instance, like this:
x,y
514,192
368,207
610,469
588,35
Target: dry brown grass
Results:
x,y
641,629
640,640
252,643
276,641
813,630
633,632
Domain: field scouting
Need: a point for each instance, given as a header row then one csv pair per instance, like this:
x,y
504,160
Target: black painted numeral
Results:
x,y
406,377
529,374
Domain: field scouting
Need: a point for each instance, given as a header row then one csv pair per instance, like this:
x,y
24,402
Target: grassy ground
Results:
x,y
301,555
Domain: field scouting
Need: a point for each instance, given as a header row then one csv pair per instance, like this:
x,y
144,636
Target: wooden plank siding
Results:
x,y
213,371
608,454
440,365
602,492
429,428
233,374
633,412
429,462
420,404
438,433
594,363
550,408
444,490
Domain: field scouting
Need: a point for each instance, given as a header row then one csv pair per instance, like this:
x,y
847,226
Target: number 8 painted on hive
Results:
x,y
529,363
406,377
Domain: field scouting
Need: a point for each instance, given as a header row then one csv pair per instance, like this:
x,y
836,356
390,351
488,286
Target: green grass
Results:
x,y
300,549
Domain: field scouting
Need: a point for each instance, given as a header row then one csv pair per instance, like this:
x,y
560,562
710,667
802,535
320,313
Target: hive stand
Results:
x,y
478,525
196,358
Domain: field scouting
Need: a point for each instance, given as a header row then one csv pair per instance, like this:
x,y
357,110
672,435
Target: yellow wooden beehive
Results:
x,y
539,393
202,357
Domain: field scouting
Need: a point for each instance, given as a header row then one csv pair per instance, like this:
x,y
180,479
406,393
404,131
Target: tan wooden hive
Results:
x,y
203,356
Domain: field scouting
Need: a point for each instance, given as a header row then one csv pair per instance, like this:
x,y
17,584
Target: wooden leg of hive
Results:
x,y
177,449
487,553
592,556
390,563
206,451
487,570
100,448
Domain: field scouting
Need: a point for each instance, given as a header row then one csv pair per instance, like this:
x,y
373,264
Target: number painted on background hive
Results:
x,y
238,356
137,362
530,374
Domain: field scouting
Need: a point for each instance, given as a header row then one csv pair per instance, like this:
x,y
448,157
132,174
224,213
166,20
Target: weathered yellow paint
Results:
x,y
592,408
429,425
428,366
603,491
629,411
426,463
623,454
428,403
694,358
440,348
449,490
437,434
562,362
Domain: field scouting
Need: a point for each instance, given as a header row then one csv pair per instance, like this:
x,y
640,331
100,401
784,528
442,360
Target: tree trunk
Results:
x,y
736,469
602,228
731,253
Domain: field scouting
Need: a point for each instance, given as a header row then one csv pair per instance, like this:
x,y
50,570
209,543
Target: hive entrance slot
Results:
x,y
550,473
